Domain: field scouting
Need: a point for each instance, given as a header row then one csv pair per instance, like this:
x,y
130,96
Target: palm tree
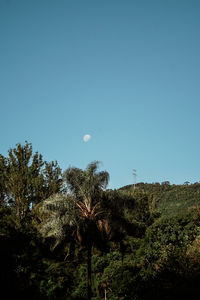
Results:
x,y
78,214
86,187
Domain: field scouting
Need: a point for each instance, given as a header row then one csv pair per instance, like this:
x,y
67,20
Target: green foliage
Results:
x,y
145,242
86,185
58,217
169,199
56,279
25,179
80,291
165,244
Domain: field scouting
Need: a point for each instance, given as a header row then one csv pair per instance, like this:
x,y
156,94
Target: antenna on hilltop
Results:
x,y
134,178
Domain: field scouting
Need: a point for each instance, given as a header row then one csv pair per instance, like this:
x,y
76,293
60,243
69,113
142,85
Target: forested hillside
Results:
x,y
170,199
64,235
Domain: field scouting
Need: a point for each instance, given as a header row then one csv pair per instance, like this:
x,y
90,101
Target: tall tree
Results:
x,y
27,179
85,187
78,213
3,170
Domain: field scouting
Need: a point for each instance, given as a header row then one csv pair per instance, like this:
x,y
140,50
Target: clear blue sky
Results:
x,y
125,72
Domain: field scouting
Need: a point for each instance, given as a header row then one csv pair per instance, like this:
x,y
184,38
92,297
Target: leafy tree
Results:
x,y
150,235
26,179
3,172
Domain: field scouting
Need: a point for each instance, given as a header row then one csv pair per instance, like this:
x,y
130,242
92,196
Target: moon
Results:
x,y
86,138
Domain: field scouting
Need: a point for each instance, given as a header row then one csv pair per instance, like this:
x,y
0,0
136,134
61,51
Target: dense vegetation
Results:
x,y
63,235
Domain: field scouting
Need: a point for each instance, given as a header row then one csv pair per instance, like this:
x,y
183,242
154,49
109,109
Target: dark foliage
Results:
x,y
152,251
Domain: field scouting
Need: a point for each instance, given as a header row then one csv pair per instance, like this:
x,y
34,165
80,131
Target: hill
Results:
x,y
167,198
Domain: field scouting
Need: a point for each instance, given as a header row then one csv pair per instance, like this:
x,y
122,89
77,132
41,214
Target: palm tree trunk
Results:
x,y
89,272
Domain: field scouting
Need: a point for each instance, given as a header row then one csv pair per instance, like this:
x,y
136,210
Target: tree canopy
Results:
x,y
64,235
26,179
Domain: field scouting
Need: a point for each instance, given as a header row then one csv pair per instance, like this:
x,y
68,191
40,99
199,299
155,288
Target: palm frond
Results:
x,y
57,213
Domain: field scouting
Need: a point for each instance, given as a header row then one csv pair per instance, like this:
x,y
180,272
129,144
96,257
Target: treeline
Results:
x,y
64,235
170,198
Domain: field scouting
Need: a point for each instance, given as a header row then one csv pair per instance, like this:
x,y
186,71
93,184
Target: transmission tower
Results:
x,y
134,178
